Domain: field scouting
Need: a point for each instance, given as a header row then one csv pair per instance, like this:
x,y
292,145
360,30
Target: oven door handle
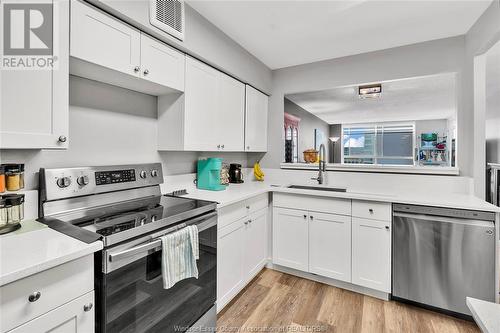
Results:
x,y
205,223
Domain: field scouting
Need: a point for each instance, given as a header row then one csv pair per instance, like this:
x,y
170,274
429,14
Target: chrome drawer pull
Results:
x,y
88,307
370,210
35,296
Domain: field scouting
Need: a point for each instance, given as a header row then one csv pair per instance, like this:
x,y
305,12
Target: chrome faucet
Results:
x,y
321,164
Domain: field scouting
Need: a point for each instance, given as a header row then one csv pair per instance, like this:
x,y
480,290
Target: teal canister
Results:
x,y
208,172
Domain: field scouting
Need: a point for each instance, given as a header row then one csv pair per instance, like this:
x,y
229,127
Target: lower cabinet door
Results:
x,y
371,254
290,238
255,247
229,262
330,245
76,316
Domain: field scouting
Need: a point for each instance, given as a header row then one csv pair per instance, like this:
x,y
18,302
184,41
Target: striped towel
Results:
x,y
180,252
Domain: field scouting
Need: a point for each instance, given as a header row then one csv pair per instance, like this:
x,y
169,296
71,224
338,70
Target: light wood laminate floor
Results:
x,y
279,302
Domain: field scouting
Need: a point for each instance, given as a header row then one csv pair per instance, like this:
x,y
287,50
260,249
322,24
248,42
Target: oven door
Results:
x,y
131,297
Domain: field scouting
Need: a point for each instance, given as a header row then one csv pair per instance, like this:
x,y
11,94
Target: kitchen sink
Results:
x,y
318,188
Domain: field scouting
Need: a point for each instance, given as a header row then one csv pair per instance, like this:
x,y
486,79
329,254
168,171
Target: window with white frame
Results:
x,y
381,143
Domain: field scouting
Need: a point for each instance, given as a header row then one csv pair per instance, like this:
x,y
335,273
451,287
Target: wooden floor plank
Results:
x,y
278,300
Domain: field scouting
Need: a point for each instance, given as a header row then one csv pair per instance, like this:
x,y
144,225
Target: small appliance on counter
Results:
x,y
235,175
208,174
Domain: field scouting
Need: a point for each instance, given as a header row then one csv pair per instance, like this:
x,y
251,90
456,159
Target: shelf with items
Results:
x,y
432,150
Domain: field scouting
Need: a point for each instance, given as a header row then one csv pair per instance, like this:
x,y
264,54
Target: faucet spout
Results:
x,y
321,164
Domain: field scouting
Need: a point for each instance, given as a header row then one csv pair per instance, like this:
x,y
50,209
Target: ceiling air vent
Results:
x,y
168,15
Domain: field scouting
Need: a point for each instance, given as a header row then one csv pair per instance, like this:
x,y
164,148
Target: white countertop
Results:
x,y
35,248
238,192
486,314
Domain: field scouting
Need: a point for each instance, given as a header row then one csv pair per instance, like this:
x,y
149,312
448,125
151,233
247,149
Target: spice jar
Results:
x,y
14,176
15,207
3,212
2,179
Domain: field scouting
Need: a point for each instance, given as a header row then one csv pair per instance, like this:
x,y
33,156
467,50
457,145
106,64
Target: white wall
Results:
x,y
308,123
202,40
109,125
481,37
433,57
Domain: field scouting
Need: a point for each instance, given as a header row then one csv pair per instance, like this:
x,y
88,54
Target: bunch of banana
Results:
x,y
257,172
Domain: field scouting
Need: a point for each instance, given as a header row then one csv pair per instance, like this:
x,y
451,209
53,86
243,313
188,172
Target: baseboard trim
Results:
x,y
332,282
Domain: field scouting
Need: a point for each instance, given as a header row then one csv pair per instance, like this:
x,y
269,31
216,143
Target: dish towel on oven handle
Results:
x,y
179,254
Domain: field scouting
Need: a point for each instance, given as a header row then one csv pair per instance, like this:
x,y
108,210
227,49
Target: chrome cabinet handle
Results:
x,y
246,222
88,307
305,216
35,296
222,146
311,217
146,71
137,69
387,227
62,138
370,210
218,146
248,207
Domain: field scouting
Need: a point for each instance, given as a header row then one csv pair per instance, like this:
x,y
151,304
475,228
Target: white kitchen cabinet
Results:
x,y
255,245
103,40
242,246
256,110
230,259
230,113
208,117
371,253
35,103
162,64
76,316
199,123
106,49
330,245
291,238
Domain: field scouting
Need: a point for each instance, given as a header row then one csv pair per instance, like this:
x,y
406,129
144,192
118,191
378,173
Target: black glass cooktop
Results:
x,y
136,217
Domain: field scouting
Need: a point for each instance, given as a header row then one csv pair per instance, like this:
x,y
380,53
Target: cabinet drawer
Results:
x,y
56,286
312,203
239,210
372,210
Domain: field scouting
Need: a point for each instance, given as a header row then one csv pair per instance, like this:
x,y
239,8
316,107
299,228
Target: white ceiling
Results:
x,y
286,33
430,97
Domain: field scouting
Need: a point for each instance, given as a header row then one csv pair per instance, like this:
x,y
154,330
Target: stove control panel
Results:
x,y
74,182
115,176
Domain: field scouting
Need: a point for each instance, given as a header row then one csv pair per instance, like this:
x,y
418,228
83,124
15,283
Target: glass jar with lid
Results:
x,y
14,176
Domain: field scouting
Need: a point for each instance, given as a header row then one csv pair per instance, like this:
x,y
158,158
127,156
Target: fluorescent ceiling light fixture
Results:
x,y
370,91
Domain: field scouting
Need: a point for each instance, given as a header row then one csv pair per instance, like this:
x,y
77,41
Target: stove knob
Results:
x,y
143,174
83,180
63,182
154,173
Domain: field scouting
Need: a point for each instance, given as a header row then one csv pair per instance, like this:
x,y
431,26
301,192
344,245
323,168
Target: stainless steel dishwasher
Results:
x,y
440,256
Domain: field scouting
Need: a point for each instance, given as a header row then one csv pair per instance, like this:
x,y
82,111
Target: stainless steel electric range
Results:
x,y
123,207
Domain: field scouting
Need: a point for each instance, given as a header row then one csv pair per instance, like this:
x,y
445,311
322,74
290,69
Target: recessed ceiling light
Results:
x,y
370,91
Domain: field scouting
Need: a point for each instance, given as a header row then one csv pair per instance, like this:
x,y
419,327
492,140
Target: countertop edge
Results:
x,y
473,303
51,263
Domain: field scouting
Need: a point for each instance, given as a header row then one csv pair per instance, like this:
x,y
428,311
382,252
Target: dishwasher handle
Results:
x,y
435,218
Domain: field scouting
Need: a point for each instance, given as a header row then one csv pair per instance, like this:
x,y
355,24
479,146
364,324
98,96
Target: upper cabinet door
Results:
x,y
200,123
161,63
101,39
230,118
256,120
34,103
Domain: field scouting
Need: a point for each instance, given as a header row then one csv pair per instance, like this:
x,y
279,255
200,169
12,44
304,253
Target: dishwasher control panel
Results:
x,y
446,212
